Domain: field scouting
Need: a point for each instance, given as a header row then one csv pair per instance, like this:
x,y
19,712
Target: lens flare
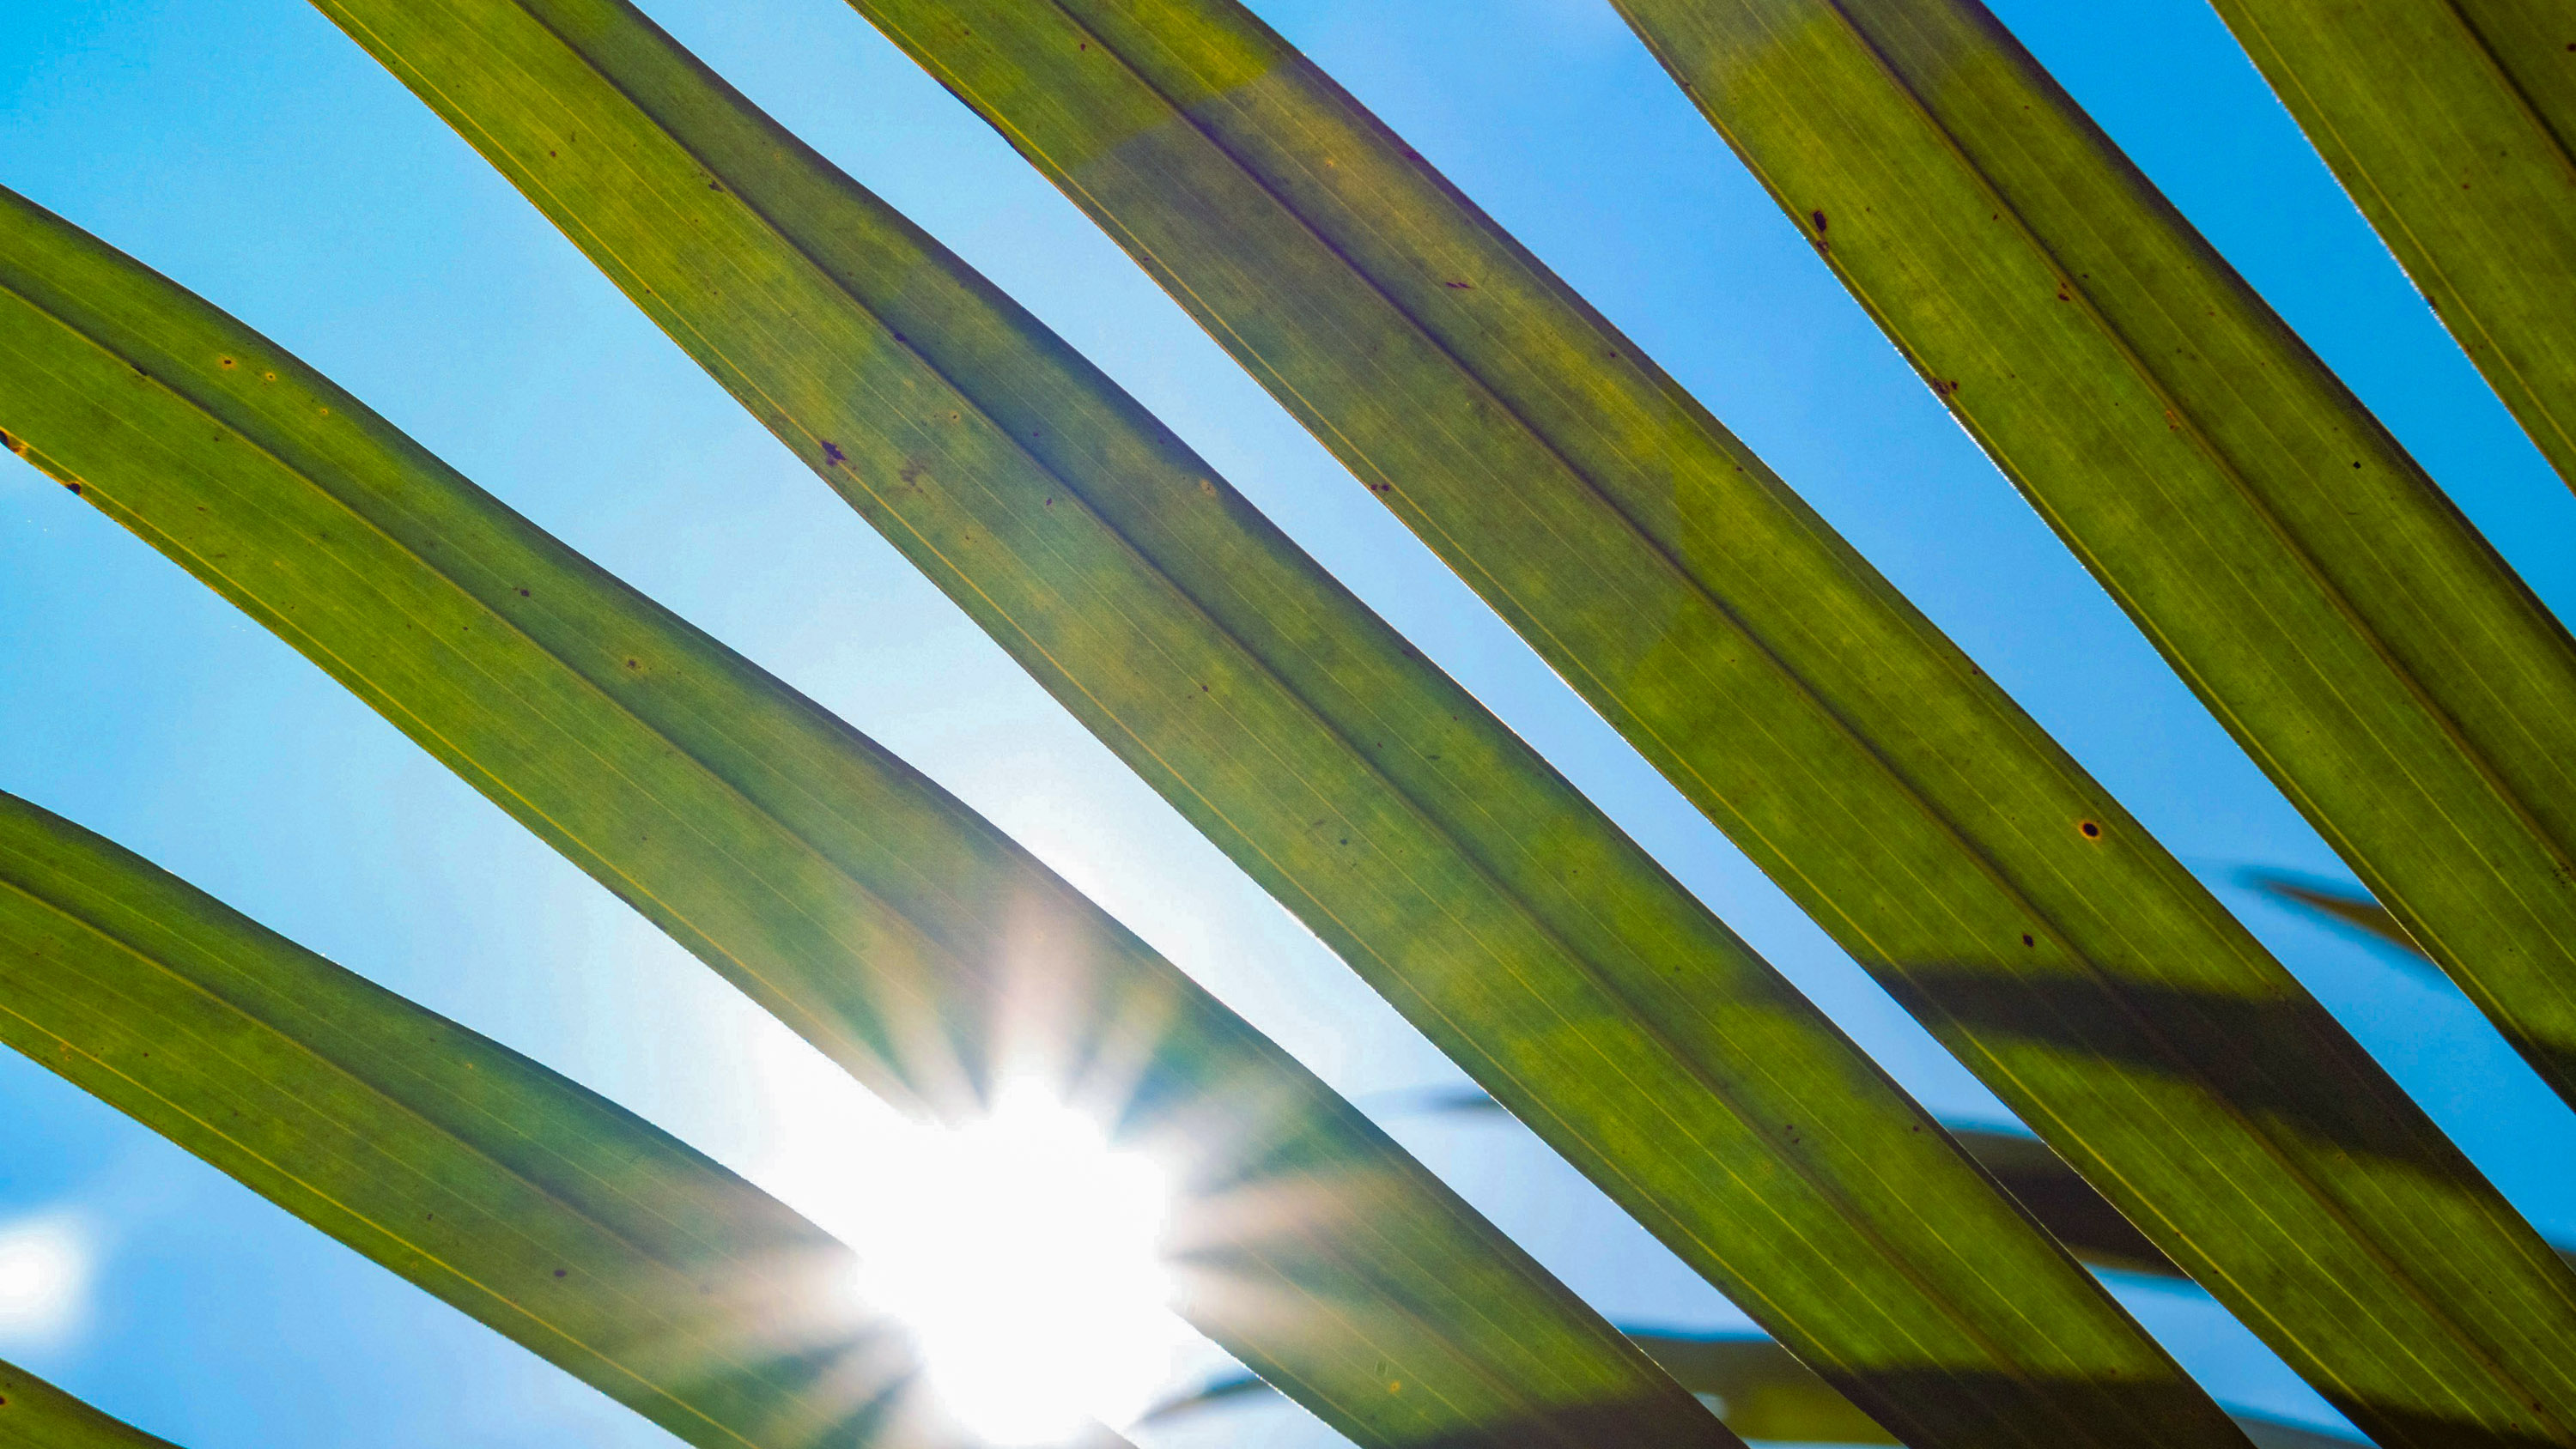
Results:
x,y
1026,1256
1022,1250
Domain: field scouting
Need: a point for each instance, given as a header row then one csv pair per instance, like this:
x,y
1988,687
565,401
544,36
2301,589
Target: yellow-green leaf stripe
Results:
x,y
36,1415
2449,122
556,1217
869,910
1787,689
1413,832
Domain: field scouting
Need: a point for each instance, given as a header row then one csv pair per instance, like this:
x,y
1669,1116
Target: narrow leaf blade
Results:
x,y
2448,122
877,916
37,1415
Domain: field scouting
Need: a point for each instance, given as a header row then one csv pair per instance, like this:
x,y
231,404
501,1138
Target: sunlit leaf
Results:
x,y
2312,585
2448,122
1761,1391
36,1415
1413,832
877,916
1824,724
554,1216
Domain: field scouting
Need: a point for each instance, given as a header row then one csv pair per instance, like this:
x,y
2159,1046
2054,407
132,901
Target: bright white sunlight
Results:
x,y
1022,1250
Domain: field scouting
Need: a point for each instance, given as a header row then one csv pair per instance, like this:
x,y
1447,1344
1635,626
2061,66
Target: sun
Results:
x,y
1023,1250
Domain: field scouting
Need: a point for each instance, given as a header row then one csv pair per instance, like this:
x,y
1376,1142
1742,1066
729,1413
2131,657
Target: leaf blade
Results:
x,y
38,1415
2448,126
866,908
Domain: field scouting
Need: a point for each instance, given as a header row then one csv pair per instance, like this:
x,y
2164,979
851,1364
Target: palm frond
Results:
x,y
1824,724
871,912
1444,860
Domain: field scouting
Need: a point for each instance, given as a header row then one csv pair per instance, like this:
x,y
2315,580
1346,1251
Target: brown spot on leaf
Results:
x,y
2091,829
226,361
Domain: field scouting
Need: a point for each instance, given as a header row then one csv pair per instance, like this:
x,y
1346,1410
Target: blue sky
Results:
x,y
250,151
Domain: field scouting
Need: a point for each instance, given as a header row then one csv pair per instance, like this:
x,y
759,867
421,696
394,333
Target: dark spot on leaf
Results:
x,y
832,454
226,361
1460,286
523,593
711,186
1818,218
634,664
75,487
2027,941
559,1272
2091,830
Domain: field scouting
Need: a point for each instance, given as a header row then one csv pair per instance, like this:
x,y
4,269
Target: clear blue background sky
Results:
x,y
250,151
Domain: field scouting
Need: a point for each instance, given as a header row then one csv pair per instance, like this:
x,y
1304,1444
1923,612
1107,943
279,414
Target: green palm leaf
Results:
x,y
2448,121
2336,612
36,1415
1413,832
1763,1392
875,915
2306,578
557,1218
1788,691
